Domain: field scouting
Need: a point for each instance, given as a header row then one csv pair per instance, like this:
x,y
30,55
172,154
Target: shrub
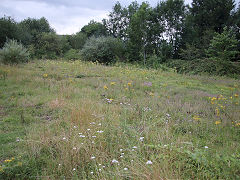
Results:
x,y
72,54
103,49
13,53
210,66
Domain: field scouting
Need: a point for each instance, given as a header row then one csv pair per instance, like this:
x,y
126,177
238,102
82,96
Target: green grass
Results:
x,y
70,120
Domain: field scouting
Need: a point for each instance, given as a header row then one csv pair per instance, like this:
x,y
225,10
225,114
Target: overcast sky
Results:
x,y
65,16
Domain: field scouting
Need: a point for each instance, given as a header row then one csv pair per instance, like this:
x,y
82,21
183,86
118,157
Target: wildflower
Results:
x,y
129,84
74,148
121,150
237,124
236,95
105,87
100,131
8,160
94,136
206,147
19,163
113,83
196,118
149,162
82,136
125,169
218,122
64,138
45,75
93,157
114,161
18,139
88,129
100,124
100,169
134,147
217,112
168,115
74,169
74,127
149,84
141,138
151,94
91,172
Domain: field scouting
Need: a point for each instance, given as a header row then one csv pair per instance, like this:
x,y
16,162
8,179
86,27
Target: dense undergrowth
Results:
x,y
82,120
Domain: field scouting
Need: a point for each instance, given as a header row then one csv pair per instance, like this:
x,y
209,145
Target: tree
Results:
x,y
33,27
119,20
137,33
51,46
211,14
8,30
223,46
94,29
171,16
77,40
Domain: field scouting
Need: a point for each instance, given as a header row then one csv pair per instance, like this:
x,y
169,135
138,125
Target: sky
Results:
x,y
65,16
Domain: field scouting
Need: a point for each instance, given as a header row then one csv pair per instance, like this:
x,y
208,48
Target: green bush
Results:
x,y
211,66
72,54
13,53
103,49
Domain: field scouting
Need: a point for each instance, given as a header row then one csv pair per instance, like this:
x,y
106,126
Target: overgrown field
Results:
x,y
76,120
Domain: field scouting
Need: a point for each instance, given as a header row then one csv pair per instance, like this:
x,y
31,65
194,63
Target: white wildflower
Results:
x,y
114,161
149,162
93,157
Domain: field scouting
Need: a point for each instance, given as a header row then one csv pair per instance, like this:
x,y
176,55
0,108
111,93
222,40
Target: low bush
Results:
x,y
13,52
206,66
72,54
105,50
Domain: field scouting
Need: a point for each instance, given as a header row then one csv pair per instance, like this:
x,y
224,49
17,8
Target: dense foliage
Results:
x,y
102,49
13,53
149,35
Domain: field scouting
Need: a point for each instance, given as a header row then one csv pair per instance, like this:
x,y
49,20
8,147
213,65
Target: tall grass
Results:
x,y
88,121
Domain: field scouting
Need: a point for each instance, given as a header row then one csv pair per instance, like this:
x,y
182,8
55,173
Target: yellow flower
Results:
x,y
113,83
151,94
236,95
217,112
218,122
19,163
105,87
8,160
196,118
45,75
237,124
129,84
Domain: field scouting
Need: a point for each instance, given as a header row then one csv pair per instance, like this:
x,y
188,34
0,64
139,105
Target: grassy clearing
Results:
x,y
75,120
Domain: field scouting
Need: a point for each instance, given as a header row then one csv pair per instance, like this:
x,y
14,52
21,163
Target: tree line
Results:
x,y
140,33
